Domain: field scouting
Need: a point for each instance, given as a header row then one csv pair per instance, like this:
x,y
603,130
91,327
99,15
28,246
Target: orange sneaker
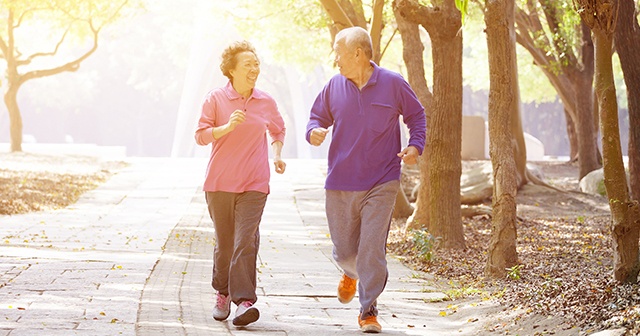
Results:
x,y
346,289
369,325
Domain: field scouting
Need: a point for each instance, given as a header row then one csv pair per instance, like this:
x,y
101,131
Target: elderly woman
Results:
x,y
235,120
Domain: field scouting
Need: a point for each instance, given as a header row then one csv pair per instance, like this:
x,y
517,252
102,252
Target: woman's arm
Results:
x,y
280,166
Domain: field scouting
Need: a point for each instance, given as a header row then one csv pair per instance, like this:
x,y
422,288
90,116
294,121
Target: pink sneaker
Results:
x,y
223,307
245,314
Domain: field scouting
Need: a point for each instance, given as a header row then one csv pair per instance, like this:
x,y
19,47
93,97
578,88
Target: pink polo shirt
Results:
x,y
239,160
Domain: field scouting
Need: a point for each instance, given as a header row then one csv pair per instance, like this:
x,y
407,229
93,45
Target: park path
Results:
x,y
133,257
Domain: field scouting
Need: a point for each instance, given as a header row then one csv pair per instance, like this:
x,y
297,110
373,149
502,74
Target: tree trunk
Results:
x,y
412,50
601,16
402,208
627,39
13,84
573,138
585,132
517,132
596,122
445,138
503,103
15,119
583,81
624,214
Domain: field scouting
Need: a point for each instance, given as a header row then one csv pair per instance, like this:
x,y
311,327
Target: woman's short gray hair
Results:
x,y
356,37
229,60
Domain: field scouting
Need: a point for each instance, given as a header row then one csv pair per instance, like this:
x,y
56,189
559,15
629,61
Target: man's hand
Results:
x,y
317,136
409,155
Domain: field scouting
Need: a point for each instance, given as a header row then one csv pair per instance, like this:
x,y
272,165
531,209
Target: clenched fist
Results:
x,y
236,118
317,136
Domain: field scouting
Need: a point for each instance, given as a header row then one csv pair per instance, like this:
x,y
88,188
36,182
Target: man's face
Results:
x,y
345,59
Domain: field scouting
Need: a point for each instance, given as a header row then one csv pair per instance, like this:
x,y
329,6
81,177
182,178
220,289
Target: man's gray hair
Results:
x,y
356,37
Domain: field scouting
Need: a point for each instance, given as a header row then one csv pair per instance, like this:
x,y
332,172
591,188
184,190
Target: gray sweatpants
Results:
x,y
236,218
359,225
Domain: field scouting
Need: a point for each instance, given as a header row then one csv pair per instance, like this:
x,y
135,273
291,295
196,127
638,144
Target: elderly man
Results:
x,y
363,104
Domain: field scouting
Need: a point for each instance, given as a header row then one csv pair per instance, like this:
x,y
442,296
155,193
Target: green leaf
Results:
x,y
462,6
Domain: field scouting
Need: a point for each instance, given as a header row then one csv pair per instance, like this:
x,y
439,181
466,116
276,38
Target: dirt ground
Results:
x,y
563,284
35,182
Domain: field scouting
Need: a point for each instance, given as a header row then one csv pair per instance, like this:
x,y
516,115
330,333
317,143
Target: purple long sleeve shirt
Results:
x,y
366,130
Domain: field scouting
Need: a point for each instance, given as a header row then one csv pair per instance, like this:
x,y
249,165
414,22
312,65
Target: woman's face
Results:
x,y
245,74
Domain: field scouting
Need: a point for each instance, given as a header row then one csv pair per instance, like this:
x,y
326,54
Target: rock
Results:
x,y
593,183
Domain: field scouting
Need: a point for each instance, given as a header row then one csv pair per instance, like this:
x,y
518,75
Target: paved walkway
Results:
x,y
134,257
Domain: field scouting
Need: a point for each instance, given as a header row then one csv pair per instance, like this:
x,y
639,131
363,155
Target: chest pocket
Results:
x,y
382,117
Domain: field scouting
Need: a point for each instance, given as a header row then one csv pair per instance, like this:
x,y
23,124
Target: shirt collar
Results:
x,y
374,76
232,94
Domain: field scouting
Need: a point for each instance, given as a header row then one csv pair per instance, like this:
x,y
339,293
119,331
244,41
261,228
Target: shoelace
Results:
x,y
221,302
349,284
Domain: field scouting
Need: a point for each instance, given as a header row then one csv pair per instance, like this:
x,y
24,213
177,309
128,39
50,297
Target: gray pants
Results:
x,y
236,218
359,224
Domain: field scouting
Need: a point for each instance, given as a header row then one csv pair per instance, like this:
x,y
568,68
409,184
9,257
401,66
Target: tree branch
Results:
x,y
550,11
376,29
337,14
440,23
355,12
70,66
388,43
413,12
543,61
75,64
41,54
531,20
24,14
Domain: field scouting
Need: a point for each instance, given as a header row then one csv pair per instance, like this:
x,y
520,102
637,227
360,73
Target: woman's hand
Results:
x,y
236,118
279,165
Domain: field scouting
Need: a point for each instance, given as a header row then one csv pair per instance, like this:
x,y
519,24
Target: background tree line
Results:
x,y
572,49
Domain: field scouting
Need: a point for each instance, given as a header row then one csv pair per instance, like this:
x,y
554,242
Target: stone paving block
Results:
x,y
9,314
47,323
53,313
106,327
